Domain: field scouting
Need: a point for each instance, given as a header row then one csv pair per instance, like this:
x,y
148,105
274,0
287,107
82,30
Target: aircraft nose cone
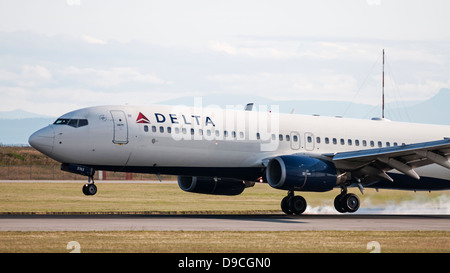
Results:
x,y
42,140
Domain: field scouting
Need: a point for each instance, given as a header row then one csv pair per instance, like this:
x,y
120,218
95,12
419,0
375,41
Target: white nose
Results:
x,y
42,140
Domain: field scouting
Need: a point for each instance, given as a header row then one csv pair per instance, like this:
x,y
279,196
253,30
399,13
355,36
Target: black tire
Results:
x,y
85,191
350,202
338,204
285,205
89,189
297,204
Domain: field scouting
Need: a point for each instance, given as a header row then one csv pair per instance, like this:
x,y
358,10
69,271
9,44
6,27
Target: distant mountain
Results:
x,y
435,110
16,126
20,114
17,131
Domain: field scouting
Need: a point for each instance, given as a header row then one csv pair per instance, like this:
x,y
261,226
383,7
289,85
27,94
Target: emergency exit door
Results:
x,y
120,132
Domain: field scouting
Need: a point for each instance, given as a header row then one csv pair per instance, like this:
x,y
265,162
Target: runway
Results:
x,y
222,222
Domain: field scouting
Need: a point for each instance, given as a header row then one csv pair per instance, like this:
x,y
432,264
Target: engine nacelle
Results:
x,y
209,185
301,173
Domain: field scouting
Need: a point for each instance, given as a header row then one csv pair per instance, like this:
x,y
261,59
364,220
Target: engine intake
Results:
x,y
209,185
302,173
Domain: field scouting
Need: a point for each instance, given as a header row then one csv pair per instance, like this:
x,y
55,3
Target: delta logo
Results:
x,y
142,119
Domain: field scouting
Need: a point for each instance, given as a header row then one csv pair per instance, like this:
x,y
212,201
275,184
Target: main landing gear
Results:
x,y
344,202
293,204
89,188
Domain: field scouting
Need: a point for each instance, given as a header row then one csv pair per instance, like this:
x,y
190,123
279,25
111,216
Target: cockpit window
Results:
x,y
61,121
82,122
72,122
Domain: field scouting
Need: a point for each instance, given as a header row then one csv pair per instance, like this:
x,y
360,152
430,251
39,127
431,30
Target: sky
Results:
x,y
61,55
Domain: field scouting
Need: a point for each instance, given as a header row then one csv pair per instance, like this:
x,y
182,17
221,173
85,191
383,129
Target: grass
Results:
x,y
226,241
134,197
23,156
57,197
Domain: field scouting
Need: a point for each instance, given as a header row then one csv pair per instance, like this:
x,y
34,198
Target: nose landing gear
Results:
x,y
90,188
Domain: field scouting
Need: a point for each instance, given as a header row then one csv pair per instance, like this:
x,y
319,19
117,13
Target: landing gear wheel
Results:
x,y
89,189
297,204
351,202
346,203
338,203
293,204
285,205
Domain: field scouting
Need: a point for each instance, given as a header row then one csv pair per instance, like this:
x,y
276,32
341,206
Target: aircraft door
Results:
x,y
120,133
309,141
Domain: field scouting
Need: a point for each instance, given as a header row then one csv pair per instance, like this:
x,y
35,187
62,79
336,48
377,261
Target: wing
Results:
x,y
374,163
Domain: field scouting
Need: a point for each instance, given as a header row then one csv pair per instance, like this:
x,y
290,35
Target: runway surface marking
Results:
x,y
222,222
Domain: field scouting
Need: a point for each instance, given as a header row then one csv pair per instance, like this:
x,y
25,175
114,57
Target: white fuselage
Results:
x,y
172,136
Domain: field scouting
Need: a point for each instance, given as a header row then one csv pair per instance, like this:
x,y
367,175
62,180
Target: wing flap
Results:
x,y
376,162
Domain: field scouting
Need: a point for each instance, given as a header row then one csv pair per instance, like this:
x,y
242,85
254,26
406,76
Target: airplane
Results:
x,y
224,151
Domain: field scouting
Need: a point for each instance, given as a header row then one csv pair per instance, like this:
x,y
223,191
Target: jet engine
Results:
x,y
302,173
209,185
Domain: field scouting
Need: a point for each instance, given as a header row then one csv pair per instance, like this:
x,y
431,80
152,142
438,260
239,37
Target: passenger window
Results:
x,y
183,130
295,138
217,132
200,132
241,134
372,144
225,133
364,143
233,134
273,137
357,142
280,137
169,130
288,137
258,136
192,131
327,140
388,144
177,130
349,142
380,144
145,128
334,141
154,129
161,129
309,139
342,141
318,139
